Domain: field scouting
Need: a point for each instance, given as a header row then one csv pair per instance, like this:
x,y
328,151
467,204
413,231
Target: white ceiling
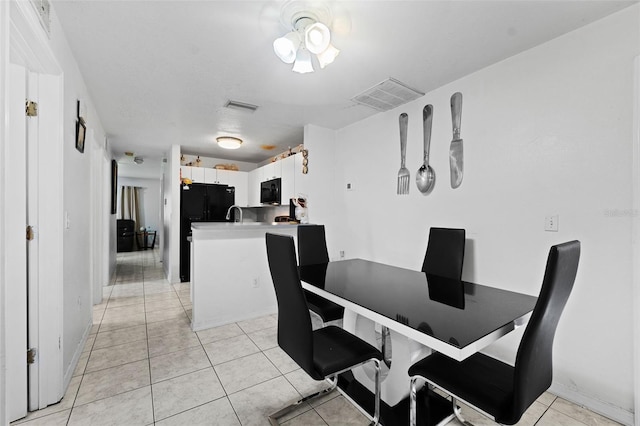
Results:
x,y
160,72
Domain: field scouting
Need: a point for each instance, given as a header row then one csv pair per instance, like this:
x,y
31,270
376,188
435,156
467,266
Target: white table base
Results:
x,y
405,352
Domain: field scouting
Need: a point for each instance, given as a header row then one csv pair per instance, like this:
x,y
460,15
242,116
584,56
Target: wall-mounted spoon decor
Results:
x,y
426,176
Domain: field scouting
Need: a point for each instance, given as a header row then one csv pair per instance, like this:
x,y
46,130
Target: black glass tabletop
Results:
x,y
456,312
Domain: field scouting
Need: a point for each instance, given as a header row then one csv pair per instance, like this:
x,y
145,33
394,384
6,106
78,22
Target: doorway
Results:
x,y
32,164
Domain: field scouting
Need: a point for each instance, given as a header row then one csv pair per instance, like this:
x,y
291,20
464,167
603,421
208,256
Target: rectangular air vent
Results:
x,y
241,106
387,95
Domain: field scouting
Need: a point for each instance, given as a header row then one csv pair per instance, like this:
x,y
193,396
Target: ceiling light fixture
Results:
x,y
229,142
309,37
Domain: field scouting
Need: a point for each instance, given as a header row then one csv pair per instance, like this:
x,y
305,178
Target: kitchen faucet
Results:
x,y
229,212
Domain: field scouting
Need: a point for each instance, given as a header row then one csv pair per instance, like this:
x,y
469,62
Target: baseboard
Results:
x,y
203,325
606,409
68,374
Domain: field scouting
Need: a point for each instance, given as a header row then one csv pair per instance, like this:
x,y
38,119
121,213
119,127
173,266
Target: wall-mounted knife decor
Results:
x,y
456,161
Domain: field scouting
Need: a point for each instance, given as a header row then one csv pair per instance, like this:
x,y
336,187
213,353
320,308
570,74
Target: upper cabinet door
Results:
x,y
301,186
197,174
239,180
271,171
288,189
185,172
210,176
254,179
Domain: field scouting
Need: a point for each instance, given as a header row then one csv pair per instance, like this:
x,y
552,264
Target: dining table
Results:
x,y
423,313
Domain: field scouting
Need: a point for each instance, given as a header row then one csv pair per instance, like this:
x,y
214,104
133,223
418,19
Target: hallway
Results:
x,y
142,365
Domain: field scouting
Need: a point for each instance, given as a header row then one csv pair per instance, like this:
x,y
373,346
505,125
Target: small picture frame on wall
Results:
x,y
114,186
81,130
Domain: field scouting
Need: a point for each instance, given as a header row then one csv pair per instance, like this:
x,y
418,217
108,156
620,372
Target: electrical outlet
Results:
x,y
256,283
341,254
349,186
551,223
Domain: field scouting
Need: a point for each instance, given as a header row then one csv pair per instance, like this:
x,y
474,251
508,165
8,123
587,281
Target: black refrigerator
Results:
x,y
200,202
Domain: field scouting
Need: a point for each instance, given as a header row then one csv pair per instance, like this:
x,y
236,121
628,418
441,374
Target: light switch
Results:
x,y
551,223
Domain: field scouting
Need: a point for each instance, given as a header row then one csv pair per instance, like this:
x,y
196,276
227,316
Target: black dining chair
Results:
x,y
445,253
494,388
444,258
322,353
312,250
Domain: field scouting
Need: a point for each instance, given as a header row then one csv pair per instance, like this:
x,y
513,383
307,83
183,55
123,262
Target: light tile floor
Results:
x,y
142,365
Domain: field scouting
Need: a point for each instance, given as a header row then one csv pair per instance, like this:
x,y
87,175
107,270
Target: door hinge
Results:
x,y
31,109
30,233
31,356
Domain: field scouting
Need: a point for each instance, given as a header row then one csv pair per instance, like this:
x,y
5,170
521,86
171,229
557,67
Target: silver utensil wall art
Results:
x,y
425,176
403,173
456,159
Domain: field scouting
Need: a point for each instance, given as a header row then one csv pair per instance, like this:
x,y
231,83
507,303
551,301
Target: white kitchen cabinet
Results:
x,y
210,175
197,174
301,180
240,181
287,189
254,179
185,172
271,170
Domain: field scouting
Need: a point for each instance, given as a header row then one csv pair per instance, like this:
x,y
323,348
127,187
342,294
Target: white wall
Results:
x,y
548,131
75,256
4,132
150,197
171,232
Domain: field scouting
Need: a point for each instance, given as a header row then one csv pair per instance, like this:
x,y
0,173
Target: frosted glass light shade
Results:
x,y
328,56
229,142
286,46
303,63
317,37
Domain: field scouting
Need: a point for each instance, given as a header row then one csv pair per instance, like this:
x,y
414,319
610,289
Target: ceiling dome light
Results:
x,y
317,37
286,47
229,142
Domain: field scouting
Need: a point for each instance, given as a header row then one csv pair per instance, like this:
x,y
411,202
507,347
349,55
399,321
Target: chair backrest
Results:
x,y
294,322
445,253
312,245
533,367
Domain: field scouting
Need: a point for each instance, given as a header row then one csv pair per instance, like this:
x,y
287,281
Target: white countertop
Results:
x,y
227,226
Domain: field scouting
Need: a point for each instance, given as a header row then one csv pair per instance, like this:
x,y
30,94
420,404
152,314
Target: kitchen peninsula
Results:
x,y
230,278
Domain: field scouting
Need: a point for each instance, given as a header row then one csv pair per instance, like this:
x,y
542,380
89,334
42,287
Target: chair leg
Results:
x,y
386,336
412,401
273,418
376,411
457,411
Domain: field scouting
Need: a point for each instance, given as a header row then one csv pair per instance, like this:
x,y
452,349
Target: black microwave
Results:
x,y
270,191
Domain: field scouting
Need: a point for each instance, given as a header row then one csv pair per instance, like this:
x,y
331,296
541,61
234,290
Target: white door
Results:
x,y
16,253
32,176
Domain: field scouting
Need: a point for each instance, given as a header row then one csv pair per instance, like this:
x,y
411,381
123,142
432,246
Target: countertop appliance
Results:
x,y
270,191
200,202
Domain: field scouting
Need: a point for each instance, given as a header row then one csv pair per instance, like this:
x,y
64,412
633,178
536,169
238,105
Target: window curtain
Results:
x,y
130,205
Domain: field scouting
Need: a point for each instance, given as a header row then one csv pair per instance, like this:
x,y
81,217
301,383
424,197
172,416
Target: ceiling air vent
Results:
x,y
241,106
387,95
